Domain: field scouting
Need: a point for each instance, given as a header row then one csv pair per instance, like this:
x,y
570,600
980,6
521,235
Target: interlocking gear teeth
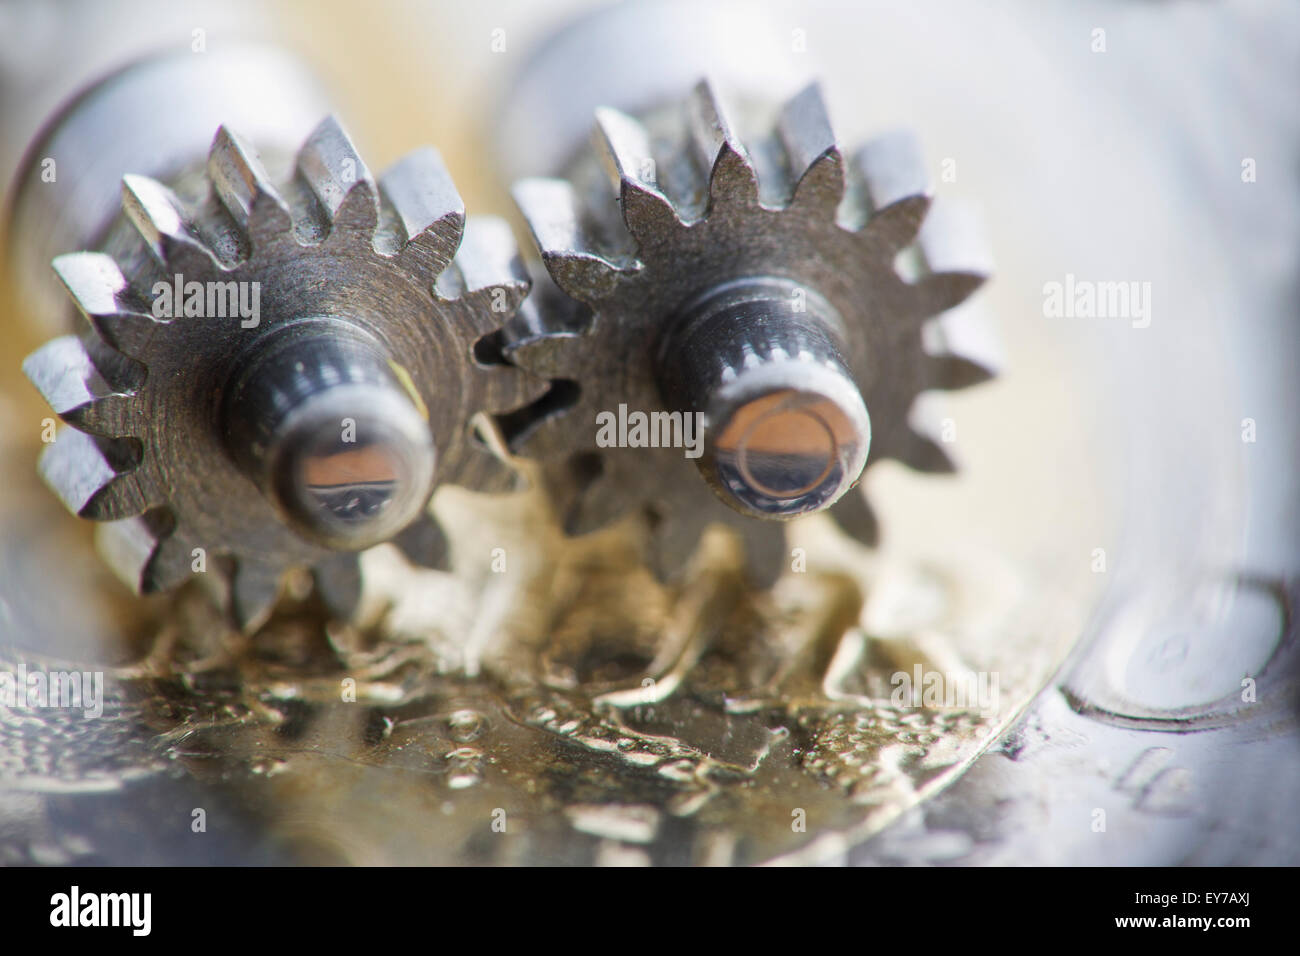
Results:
x,y
696,208
336,255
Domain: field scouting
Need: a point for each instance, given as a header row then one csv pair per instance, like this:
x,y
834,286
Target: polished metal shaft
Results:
x,y
325,427
786,429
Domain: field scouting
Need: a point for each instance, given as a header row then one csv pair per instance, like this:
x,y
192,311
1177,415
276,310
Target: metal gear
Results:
x,y
378,303
753,285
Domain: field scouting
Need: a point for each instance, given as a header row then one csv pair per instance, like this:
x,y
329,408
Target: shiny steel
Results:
x,y
751,279
787,431
320,422
299,432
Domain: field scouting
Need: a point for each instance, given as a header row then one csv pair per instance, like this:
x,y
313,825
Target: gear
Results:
x,y
311,426
756,287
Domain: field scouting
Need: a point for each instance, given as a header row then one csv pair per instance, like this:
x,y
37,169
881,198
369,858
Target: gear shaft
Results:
x,y
787,431
324,427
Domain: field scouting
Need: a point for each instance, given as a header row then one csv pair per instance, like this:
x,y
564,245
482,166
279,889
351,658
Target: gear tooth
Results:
x,y
731,174
816,162
431,212
590,276
145,552
922,452
764,544
672,544
339,178
541,336
242,185
954,371
541,430
254,591
510,387
732,178
424,543
550,208
962,348
586,515
896,189
492,476
587,495
109,415
646,212
624,147
128,332
625,152
338,582
489,261
105,297
545,355
93,279
942,291
92,476
162,221
955,258
65,375
493,472
169,565
855,517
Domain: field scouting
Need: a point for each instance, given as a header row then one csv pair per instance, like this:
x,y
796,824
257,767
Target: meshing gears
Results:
x,y
309,431
755,285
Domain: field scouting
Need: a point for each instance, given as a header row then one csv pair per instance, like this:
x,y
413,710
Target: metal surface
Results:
x,y
761,365
634,57
709,726
154,117
799,237
254,436
1151,745
502,713
321,422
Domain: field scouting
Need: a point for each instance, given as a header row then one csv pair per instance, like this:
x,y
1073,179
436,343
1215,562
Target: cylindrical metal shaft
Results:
x,y
321,422
786,430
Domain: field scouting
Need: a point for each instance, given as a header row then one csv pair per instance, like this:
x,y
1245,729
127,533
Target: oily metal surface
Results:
x,y
707,725
1150,746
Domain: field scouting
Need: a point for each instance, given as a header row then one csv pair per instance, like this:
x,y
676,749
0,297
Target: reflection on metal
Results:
x,y
1191,653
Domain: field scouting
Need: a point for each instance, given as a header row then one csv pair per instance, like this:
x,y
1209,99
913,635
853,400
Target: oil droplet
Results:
x,y
466,725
